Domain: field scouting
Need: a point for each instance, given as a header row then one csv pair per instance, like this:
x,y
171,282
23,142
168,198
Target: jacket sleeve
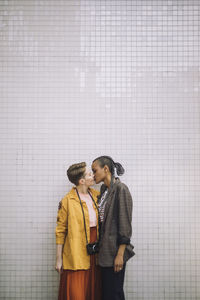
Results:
x,y
62,220
125,206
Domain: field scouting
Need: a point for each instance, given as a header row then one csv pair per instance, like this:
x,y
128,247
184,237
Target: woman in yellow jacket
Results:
x,y
77,234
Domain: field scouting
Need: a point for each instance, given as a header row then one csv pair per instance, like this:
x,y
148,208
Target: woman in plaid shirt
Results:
x,y
115,210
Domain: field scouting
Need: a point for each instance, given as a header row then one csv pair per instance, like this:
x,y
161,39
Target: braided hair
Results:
x,y
107,160
75,172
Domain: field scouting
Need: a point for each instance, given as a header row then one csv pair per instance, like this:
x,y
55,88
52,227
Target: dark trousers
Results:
x,y
112,283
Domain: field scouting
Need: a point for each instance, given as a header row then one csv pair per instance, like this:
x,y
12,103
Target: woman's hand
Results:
x,y
59,261
118,263
119,259
58,266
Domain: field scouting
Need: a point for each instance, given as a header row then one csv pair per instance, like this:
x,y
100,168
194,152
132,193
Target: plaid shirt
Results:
x,y
116,227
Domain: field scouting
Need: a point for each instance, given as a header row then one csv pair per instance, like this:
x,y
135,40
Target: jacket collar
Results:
x,y
111,191
112,185
73,194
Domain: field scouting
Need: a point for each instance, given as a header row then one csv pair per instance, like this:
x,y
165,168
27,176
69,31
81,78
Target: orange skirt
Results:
x,y
82,284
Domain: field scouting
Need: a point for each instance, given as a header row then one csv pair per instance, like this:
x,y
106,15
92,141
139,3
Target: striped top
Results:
x,y
102,205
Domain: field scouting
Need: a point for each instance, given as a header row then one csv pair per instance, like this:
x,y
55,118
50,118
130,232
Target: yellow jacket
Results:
x,y
70,230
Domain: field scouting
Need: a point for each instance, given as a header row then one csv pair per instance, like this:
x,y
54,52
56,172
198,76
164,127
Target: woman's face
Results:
x,y
98,171
88,177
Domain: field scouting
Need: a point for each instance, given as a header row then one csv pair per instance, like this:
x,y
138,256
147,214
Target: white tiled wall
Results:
x,y
79,79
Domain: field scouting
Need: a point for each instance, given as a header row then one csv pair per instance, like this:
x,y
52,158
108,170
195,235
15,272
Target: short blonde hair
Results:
x,y
75,172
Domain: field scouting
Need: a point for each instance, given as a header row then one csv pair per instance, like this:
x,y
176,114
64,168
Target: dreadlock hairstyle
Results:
x,y
107,160
76,172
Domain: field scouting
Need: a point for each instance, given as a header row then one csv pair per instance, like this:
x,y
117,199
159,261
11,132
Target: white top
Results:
x,y
91,210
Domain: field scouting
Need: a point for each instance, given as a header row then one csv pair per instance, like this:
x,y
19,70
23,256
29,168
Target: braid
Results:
x,y
76,171
120,170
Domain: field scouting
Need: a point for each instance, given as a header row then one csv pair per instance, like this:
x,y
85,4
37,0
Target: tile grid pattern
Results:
x,y
85,78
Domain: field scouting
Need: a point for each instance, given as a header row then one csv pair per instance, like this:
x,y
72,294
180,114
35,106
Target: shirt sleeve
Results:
x,y
125,206
62,220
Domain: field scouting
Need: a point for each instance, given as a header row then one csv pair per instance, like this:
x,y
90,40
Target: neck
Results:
x,y
107,180
82,189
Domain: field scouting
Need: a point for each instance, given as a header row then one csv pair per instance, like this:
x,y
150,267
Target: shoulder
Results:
x,y
63,202
65,199
69,195
121,186
122,190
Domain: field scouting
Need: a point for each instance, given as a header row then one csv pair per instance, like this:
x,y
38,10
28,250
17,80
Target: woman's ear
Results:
x,y
106,169
81,181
